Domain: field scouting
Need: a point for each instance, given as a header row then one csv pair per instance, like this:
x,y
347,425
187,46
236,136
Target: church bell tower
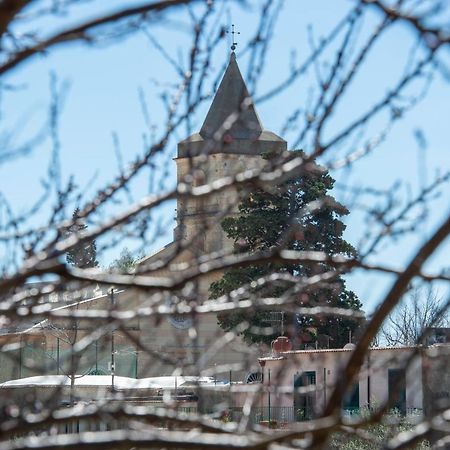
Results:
x,y
231,140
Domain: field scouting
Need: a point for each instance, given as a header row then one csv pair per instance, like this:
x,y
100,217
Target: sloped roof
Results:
x,y
232,108
232,124
164,382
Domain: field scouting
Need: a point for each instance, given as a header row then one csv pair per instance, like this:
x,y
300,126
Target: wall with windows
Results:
x,y
305,379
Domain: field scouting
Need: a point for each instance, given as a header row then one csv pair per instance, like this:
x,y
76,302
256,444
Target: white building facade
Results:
x,y
305,379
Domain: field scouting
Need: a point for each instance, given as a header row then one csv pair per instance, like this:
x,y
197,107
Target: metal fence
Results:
x,y
260,414
284,414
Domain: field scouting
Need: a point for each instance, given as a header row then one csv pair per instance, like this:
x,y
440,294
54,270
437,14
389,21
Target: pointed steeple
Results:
x,y
232,112
232,124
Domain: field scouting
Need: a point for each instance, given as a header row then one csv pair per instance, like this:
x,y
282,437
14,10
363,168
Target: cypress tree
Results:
x,y
83,255
280,217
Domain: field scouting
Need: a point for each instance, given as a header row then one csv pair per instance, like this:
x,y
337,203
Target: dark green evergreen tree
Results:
x,y
83,255
268,219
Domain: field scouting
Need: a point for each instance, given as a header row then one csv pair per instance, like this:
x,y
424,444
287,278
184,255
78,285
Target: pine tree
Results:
x,y
278,218
83,255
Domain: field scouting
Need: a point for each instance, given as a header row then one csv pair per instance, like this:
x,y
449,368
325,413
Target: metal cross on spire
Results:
x,y
233,33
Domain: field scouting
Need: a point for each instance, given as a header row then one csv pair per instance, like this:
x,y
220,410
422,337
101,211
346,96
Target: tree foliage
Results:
x,y
300,215
125,263
379,434
83,255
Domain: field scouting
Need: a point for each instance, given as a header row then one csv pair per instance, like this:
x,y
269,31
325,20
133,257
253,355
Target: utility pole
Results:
x,y
20,357
112,343
270,406
96,357
57,356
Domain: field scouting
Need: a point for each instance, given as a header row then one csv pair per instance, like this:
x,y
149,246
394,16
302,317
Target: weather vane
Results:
x,y
233,33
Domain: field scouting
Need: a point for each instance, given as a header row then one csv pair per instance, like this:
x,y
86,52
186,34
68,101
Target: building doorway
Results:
x,y
304,402
397,389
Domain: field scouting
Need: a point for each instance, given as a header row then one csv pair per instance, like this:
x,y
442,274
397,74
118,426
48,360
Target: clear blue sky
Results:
x,y
102,98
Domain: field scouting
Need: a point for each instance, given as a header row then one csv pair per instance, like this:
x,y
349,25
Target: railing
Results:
x,y
261,414
285,414
279,414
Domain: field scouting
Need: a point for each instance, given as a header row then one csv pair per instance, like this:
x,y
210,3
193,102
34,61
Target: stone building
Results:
x,y
230,141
